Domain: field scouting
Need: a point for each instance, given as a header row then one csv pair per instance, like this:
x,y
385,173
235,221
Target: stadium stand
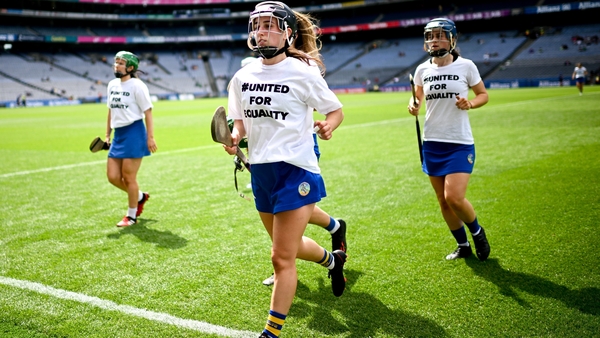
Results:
x,y
11,89
549,56
367,58
378,62
9,29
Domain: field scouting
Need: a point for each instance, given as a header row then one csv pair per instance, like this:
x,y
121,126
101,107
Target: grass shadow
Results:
x,y
162,239
586,300
364,314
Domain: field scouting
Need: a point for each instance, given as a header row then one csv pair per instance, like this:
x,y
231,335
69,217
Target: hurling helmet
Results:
x,y
285,19
448,27
130,58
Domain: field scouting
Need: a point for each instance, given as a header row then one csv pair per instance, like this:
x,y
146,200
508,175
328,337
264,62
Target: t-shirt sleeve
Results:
x,y
418,78
234,107
142,97
473,76
108,95
320,96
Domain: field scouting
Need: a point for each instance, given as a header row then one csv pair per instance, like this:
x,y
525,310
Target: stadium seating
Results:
x,y
43,75
205,70
547,58
11,89
377,62
335,55
182,73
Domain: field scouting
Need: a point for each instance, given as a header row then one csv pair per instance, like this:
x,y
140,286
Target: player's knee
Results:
x,y
114,179
129,179
281,261
454,201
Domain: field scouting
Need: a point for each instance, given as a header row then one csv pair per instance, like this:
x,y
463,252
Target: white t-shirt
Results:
x,y
127,101
276,104
444,122
580,72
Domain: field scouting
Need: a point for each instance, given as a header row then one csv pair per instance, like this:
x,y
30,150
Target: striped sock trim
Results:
x,y
274,324
327,259
333,226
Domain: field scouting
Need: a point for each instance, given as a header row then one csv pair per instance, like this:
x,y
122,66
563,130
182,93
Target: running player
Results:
x,y
443,82
336,227
272,102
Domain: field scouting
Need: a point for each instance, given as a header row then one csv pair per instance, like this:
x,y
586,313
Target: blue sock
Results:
x,y
474,226
460,235
331,225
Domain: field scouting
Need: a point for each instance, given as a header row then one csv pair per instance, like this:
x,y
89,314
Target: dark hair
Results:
x,y
135,72
306,46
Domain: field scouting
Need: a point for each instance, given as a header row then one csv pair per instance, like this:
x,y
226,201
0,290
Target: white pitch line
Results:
x,y
362,125
130,310
84,164
69,166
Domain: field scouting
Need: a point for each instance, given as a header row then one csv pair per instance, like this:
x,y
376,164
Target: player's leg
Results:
x,y
129,170
286,230
113,173
454,223
455,191
336,227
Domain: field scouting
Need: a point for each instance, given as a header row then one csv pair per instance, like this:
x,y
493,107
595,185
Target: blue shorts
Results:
x,y
580,80
281,186
441,158
130,141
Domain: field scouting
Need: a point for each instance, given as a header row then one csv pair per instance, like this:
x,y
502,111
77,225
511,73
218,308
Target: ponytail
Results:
x,y
307,45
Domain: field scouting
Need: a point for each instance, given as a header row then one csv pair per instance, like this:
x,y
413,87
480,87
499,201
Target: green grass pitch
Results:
x,y
193,265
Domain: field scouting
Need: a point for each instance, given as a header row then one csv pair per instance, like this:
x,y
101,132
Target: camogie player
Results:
x,y
128,104
579,75
336,227
271,102
443,82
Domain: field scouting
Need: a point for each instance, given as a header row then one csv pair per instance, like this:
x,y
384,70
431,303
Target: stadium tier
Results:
x,y
195,51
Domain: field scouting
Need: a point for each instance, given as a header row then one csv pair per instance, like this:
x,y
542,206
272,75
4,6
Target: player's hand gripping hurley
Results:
x,y
219,129
414,96
97,145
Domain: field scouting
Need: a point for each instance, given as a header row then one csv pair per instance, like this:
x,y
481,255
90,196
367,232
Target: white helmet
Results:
x,y
285,19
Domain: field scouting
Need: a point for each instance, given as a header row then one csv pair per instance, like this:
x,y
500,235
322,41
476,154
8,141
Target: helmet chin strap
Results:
x,y
119,75
440,53
269,55
269,49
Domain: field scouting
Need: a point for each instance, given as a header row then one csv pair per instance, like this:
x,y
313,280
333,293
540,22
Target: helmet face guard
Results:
x,y
130,60
284,19
437,28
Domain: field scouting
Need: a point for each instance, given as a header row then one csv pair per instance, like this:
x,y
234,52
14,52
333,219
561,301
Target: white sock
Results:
x,y
131,212
332,265
140,195
335,227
